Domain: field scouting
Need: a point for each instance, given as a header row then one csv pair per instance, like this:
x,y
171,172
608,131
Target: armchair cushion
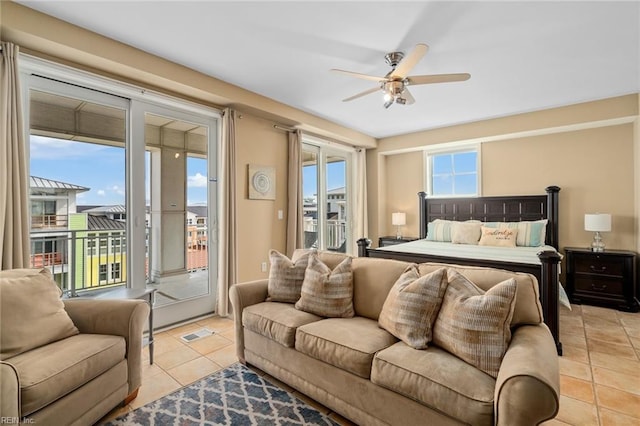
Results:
x,y
31,312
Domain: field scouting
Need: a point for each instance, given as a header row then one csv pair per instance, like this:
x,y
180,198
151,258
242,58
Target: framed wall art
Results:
x,y
262,182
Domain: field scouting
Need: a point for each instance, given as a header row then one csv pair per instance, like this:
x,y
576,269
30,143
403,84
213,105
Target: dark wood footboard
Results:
x,y
546,273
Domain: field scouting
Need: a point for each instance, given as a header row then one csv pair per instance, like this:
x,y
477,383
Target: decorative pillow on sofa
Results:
x,y
326,292
474,325
286,276
412,306
31,312
498,237
465,232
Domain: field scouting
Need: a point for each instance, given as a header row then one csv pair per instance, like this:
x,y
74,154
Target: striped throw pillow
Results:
x,y
412,305
326,292
439,230
285,277
474,325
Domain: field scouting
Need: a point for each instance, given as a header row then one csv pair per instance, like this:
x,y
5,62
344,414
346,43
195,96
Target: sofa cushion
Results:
x,y
327,292
474,325
52,371
412,306
438,380
31,312
347,343
372,280
286,276
277,321
528,309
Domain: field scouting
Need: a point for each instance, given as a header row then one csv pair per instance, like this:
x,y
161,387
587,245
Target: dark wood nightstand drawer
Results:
x,y
601,265
599,285
391,241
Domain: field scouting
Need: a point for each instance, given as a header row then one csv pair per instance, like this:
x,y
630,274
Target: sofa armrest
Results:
x,y
9,391
126,318
243,295
528,384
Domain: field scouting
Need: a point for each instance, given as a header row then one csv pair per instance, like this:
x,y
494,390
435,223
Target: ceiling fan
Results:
x,y
394,84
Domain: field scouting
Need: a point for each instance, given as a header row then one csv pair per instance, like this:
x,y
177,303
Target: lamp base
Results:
x,y
597,245
398,233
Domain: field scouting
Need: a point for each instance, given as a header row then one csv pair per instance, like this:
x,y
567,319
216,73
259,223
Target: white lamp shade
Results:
x,y
597,222
398,219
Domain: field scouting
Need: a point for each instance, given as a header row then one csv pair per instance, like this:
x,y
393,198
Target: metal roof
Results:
x,y
115,208
103,223
44,183
199,211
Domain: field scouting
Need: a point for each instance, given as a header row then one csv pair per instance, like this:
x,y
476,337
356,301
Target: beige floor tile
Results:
x,y
633,332
597,311
619,401
193,370
635,342
229,334
611,418
629,319
600,346
574,353
208,344
577,388
175,357
572,329
574,369
184,329
613,334
165,343
613,379
576,340
599,322
149,370
573,321
225,356
616,363
217,323
577,413
154,388
554,422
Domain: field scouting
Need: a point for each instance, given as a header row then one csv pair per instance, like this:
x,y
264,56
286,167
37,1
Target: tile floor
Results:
x,y
599,372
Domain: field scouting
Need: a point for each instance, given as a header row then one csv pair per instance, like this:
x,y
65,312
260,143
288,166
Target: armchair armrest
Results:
x,y
9,392
124,318
528,384
243,295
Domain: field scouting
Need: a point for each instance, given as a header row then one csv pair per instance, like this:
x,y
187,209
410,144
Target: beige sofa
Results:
x,y
360,371
65,362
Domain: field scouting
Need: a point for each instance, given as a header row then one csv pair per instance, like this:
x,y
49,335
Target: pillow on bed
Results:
x,y
530,233
475,325
465,232
439,230
498,237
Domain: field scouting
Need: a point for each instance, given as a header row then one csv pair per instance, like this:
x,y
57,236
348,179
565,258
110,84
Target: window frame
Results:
x,y
430,153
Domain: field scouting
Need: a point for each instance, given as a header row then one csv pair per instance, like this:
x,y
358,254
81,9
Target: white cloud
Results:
x,y
101,192
197,181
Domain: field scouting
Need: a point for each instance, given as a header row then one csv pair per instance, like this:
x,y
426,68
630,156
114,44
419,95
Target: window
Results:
x,y
103,273
453,173
115,272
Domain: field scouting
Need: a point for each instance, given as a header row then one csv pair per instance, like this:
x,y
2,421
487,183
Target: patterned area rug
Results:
x,y
233,396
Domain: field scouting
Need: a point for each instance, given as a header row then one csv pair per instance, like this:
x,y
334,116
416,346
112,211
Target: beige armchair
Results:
x,y
65,362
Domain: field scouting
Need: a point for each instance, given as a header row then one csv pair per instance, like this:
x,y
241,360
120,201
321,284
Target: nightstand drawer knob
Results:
x,y
600,287
600,269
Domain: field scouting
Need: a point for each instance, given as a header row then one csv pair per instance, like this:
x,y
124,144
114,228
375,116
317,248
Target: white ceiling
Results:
x,y
522,56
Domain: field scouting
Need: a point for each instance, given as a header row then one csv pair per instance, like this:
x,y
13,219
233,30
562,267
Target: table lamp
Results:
x,y
597,222
398,219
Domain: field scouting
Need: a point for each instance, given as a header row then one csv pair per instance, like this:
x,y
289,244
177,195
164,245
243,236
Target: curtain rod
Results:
x,y
286,129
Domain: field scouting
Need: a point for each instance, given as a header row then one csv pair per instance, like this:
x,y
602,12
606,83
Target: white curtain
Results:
x,y
14,180
294,195
227,251
361,219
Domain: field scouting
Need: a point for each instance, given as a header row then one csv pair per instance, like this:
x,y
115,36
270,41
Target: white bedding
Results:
x,y
527,255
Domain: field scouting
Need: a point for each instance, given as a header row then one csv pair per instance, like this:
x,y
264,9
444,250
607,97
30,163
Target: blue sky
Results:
x,y
335,178
100,168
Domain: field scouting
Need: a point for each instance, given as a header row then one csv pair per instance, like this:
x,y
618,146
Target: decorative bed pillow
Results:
x,y
499,237
326,292
530,233
465,232
31,312
439,230
286,276
474,325
412,306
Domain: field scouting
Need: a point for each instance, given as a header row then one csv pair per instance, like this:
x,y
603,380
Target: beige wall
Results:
x,y
259,228
589,150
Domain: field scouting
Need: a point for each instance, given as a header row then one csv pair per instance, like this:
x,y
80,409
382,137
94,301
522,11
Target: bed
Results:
x,y
542,262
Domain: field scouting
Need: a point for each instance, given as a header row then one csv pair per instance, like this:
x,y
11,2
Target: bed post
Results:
x,y
422,213
549,293
552,214
363,245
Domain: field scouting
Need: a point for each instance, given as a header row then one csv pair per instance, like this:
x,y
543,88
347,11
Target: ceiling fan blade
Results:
x,y
437,78
359,75
408,62
366,92
408,97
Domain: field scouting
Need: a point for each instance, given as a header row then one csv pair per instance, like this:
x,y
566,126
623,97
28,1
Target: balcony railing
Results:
x,y
335,238
49,221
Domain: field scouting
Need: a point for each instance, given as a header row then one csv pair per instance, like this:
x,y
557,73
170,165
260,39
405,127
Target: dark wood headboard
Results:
x,y
494,209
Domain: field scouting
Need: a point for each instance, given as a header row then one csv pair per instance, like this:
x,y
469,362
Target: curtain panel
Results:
x,y
295,211
361,225
14,179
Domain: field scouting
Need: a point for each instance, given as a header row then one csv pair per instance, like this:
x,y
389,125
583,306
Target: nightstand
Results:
x,y
605,278
392,240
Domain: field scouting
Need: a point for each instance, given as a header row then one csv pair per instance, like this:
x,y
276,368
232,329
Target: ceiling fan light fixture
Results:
x,y
401,101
